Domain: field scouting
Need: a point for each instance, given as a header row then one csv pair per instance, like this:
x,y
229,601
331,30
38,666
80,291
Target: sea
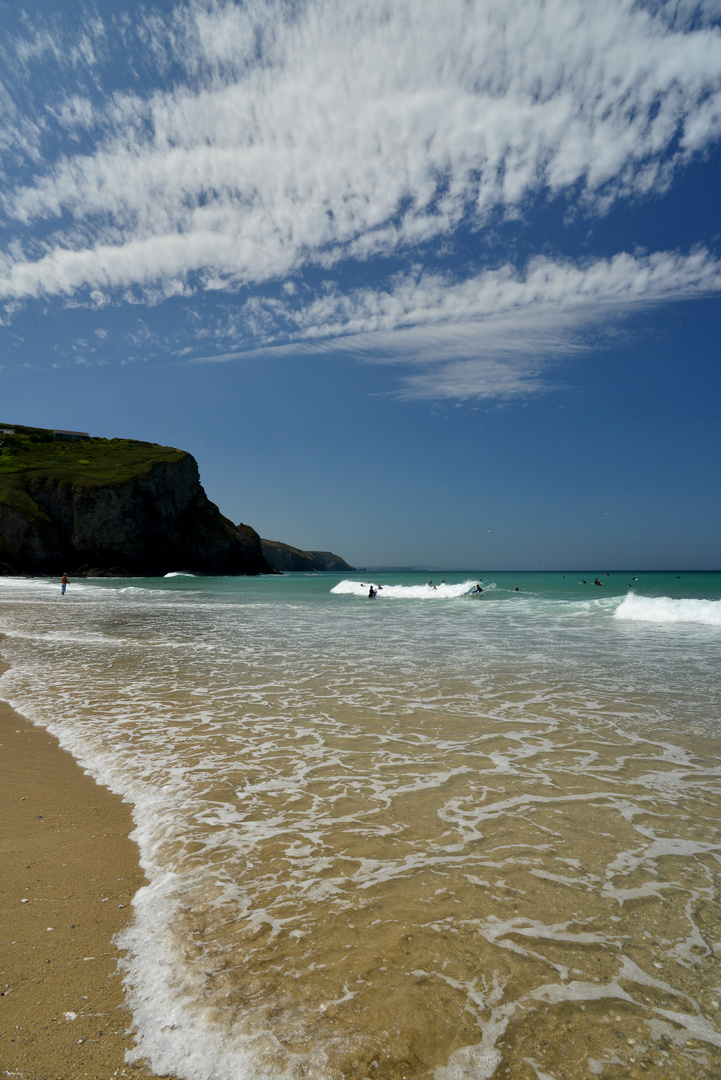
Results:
x,y
438,833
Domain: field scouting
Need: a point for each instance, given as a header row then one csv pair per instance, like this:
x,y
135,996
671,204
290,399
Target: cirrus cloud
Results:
x,y
492,335
249,143
343,130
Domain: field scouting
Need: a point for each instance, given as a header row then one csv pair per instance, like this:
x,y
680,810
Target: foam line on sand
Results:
x,y
69,872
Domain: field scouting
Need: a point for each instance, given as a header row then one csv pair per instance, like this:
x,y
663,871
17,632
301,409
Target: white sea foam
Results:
x,y
35,586
405,592
478,1062
179,573
662,609
347,833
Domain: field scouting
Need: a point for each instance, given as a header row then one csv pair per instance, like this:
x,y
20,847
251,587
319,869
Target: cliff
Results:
x,y
112,507
284,557
329,561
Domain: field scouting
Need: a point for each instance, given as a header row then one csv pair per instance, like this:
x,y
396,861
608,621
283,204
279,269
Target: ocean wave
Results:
x,y
662,609
179,573
405,592
314,791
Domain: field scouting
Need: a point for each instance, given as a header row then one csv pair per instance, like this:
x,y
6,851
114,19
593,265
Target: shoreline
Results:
x,y
70,872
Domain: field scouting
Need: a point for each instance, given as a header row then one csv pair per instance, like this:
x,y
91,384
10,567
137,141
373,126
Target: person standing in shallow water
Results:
x,y
63,584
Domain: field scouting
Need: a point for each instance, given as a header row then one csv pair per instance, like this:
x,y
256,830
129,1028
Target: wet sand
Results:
x,y
69,872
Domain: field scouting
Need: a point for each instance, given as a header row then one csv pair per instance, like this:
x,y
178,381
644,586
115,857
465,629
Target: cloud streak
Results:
x,y
426,299
492,335
347,130
265,139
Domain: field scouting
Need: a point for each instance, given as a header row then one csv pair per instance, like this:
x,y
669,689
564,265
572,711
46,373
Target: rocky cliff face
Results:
x,y
328,561
284,557
148,524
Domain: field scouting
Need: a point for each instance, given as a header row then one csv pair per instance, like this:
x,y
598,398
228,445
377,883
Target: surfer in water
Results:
x,y
371,593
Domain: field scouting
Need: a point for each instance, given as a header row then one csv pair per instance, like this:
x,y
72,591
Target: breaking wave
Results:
x,y
662,609
406,592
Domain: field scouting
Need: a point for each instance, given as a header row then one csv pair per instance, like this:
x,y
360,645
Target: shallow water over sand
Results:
x,y
470,837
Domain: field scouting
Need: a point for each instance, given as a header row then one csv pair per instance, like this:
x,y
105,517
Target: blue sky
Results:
x,y
419,282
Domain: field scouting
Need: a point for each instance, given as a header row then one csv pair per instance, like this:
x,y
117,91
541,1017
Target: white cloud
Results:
x,y
348,129
490,336
250,141
547,286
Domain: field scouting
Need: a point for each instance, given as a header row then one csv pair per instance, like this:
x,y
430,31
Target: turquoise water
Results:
x,y
432,834
547,585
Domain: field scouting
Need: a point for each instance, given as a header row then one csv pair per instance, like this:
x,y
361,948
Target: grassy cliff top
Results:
x,y
35,453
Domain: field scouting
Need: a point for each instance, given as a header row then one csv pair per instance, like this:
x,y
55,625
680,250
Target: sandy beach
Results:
x,y
431,835
69,874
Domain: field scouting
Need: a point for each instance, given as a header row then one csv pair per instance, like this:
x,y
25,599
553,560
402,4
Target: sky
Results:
x,y
421,282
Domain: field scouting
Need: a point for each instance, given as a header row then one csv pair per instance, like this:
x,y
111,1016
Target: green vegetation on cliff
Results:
x,y
84,463
34,454
120,506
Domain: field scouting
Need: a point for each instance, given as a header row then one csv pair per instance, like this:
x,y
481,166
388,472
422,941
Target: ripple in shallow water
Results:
x,y
378,856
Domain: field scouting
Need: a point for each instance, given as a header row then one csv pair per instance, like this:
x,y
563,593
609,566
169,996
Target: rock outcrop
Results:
x,y
329,561
284,557
109,507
